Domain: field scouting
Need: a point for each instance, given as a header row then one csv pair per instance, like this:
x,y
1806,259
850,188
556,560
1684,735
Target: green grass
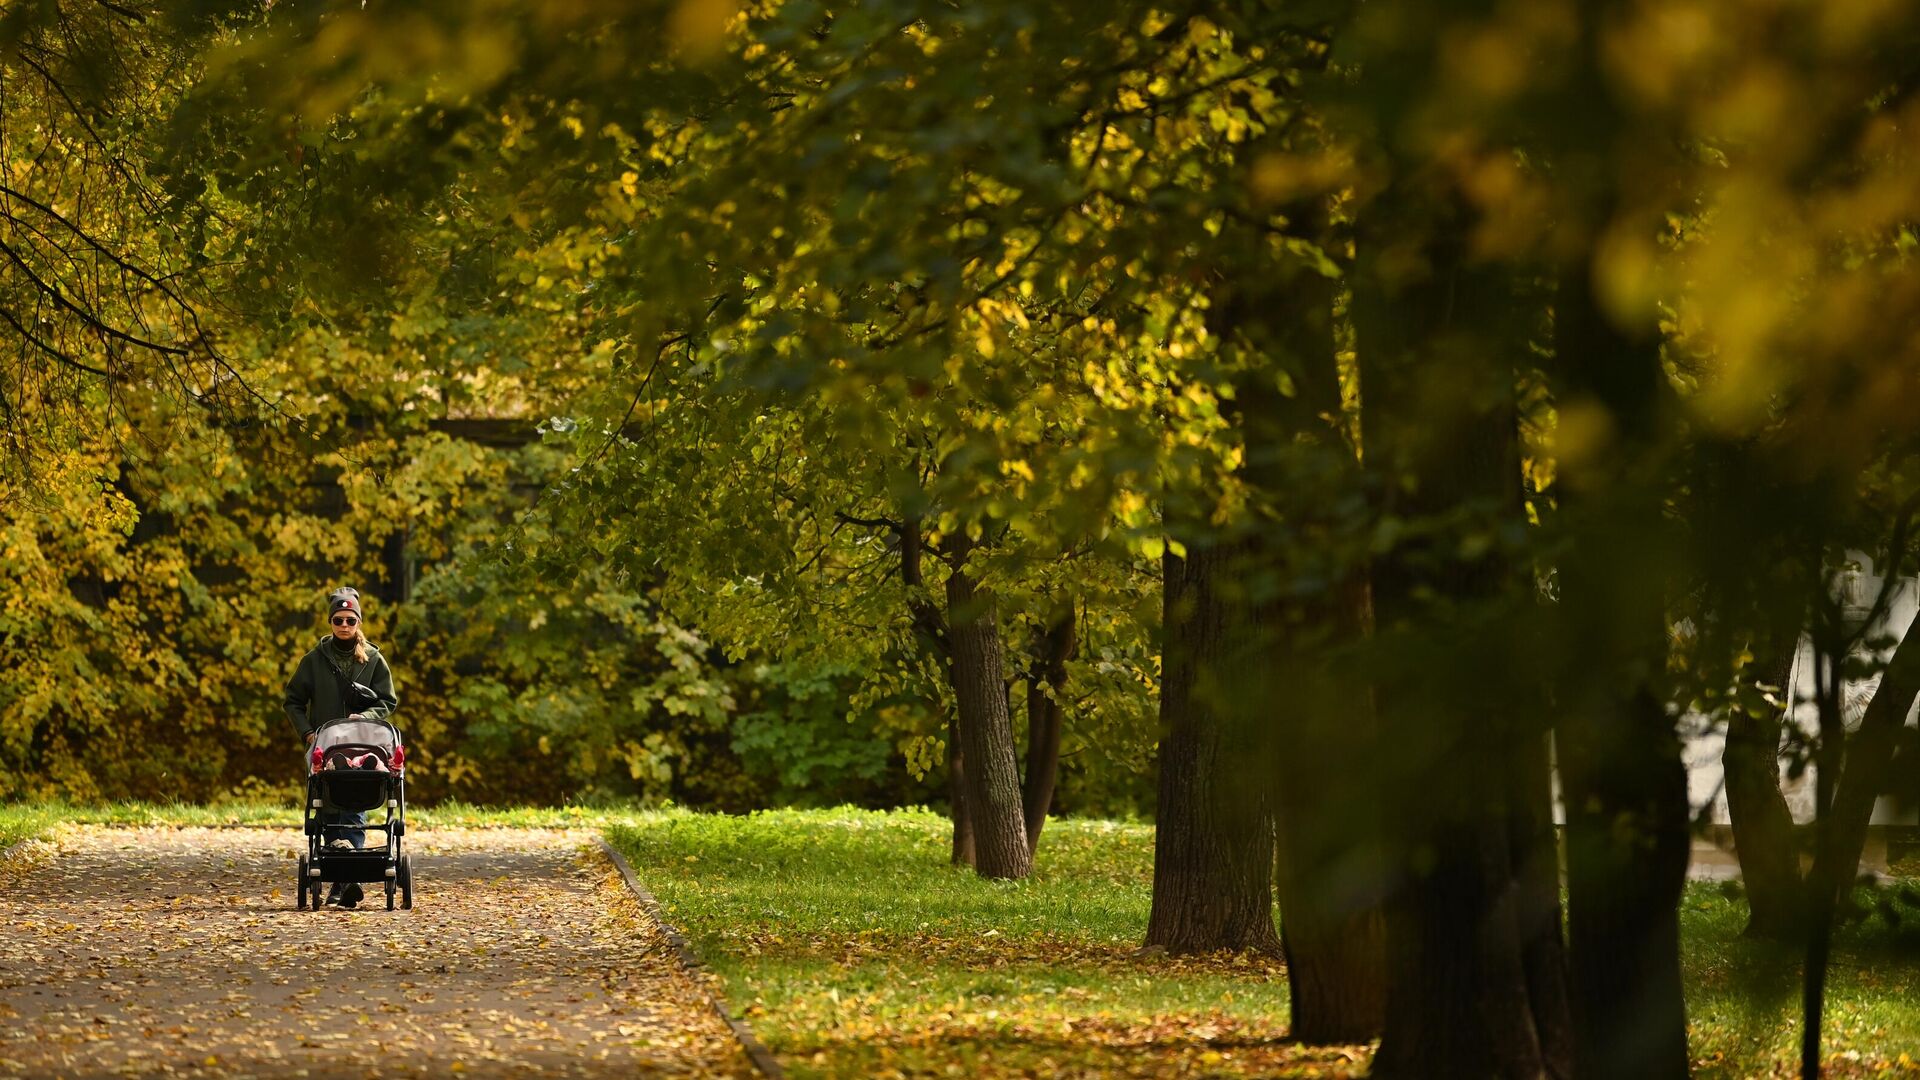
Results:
x,y
853,949
19,821
1743,997
24,821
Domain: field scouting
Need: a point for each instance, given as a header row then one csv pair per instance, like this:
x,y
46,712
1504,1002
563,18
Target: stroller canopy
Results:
x,y
379,734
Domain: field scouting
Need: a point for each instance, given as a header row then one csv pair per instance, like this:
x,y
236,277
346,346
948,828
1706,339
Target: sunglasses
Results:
x,y
346,620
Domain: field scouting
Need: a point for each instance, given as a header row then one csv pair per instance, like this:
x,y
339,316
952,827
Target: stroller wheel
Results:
x,y
405,879
389,896
300,894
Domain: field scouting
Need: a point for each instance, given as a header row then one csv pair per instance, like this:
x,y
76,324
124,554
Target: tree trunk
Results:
x,y
962,853
1763,831
1436,337
1459,1002
1620,764
1213,840
931,630
1627,849
1327,873
1334,940
1046,683
1327,862
1536,864
991,771
1868,771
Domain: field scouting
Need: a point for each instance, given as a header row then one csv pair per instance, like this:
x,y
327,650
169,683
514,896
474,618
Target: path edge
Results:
x,y
696,968
16,850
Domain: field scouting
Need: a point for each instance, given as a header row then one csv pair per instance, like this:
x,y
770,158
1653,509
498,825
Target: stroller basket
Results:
x,y
353,789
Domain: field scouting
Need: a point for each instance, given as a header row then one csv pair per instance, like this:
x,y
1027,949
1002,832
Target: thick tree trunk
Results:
x,y
1327,873
1046,716
1763,830
1464,927
1459,1003
1334,938
991,771
1620,765
1627,848
1622,777
1327,866
1213,841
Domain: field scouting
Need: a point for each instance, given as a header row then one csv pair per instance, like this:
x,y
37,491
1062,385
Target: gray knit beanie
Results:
x,y
344,599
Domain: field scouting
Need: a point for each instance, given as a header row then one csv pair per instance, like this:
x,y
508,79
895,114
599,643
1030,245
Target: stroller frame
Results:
x,y
356,790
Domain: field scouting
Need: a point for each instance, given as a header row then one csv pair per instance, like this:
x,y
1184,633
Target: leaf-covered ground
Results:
x,y
842,936
854,950
154,951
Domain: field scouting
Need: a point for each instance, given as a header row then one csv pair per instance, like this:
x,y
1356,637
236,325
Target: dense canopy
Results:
x,y
1275,419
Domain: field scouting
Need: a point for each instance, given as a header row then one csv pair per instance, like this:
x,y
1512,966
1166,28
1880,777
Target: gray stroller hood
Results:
x,y
378,734
355,764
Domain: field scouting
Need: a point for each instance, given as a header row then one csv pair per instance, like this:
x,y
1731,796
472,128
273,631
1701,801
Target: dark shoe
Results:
x,y
333,894
352,896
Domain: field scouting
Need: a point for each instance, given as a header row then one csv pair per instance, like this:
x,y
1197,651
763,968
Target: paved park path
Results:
x,y
178,952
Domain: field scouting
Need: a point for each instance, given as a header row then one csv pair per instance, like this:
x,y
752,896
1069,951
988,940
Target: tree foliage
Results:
x,y
1526,371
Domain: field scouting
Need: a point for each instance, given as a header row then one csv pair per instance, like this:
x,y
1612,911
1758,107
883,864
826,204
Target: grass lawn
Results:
x,y
1743,997
853,949
20,821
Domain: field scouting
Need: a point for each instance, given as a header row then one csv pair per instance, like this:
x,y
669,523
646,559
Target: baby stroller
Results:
x,y
355,766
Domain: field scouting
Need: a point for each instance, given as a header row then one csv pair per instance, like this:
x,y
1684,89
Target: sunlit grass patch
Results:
x,y
1743,997
23,820
854,949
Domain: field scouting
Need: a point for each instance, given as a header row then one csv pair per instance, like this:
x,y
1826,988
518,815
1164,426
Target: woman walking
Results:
x,y
318,694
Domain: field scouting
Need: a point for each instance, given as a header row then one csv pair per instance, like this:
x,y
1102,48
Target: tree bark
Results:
x,y
1327,865
1327,873
1627,850
1213,840
1436,339
991,773
1459,1003
930,628
1763,830
1868,770
1046,716
962,849
1333,935
1620,764
1536,863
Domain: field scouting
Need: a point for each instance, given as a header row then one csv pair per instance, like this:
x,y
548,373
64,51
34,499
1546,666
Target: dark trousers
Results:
x,y
346,817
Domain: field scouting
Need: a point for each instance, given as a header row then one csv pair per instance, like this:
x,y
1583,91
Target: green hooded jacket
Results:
x,y
315,693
